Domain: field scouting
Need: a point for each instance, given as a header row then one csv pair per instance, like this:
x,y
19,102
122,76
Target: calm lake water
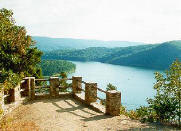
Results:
x,y
135,84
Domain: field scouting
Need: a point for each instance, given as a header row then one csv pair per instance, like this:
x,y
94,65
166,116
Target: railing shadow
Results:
x,y
97,117
92,116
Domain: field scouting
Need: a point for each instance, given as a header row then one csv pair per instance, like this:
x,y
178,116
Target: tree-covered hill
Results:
x,y
88,54
155,56
125,52
48,44
52,67
159,57
101,54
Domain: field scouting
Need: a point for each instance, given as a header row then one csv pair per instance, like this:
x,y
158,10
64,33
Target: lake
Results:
x,y
135,84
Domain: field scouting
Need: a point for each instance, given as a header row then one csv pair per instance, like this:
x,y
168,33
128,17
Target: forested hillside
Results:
x,y
48,44
52,67
155,56
159,57
88,54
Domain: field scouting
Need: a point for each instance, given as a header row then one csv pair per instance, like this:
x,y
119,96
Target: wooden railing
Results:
x,y
113,97
28,88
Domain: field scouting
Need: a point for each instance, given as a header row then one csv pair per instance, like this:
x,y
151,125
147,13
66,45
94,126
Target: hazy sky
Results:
x,y
148,21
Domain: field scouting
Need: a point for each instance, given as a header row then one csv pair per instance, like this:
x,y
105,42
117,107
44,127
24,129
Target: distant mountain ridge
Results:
x,y
49,44
155,56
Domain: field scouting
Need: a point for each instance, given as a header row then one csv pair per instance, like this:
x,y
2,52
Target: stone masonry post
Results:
x,y
17,93
1,96
90,92
54,86
113,102
31,88
76,84
24,86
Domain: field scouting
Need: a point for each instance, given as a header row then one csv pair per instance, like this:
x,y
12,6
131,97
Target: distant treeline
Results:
x,y
155,56
53,67
49,44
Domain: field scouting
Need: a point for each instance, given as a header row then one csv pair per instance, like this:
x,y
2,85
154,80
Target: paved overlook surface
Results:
x,y
65,114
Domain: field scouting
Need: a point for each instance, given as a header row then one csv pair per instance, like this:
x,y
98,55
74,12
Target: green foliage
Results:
x,y
63,75
131,114
10,79
111,87
166,105
64,83
18,56
56,67
167,101
123,110
88,54
146,114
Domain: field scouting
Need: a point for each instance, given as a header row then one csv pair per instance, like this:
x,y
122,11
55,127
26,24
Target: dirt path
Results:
x,y
65,114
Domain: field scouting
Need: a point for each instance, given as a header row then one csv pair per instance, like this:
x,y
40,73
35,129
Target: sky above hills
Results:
x,y
149,21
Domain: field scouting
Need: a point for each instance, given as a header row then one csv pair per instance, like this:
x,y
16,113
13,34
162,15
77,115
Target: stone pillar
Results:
x,y
24,86
54,86
76,84
1,98
17,93
113,102
31,88
90,92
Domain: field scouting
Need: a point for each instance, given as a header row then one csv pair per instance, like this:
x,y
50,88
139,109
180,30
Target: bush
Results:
x,y
146,114
123,111
166,104
111,87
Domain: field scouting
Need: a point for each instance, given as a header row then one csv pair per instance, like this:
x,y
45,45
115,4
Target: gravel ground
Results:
x,y
66,114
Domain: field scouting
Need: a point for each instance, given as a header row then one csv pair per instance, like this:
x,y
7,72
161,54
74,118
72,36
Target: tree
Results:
x,y
167,101
18,56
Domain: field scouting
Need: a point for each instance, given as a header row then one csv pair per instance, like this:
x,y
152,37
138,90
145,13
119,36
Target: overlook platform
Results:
x,y
65,114
26,108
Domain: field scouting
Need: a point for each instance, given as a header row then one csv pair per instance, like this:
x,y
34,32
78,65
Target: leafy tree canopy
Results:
x,y
166,104
18,56
168,98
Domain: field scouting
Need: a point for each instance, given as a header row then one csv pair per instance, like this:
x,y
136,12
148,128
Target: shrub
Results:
x,y
111,87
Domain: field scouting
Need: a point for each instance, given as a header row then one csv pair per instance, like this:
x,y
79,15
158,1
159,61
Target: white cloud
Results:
x,y
131,20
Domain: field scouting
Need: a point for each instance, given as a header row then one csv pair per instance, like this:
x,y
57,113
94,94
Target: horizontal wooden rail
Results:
x,y
97,87
101,90
83,82
6,96
100,98
81,89
41,79
22,89
22,81
65,79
